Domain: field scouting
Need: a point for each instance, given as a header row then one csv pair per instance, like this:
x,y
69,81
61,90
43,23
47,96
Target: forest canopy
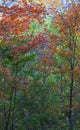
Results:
x,y
40,66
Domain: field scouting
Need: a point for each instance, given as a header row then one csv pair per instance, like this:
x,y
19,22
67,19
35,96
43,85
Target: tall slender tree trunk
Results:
x,y
71,105
71,97
9,115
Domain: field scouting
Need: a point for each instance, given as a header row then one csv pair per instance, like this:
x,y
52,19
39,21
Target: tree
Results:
x,y
62,59
64,49
14,47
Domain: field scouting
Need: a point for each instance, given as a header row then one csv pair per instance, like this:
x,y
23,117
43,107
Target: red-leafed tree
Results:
x,y
14,28
63,58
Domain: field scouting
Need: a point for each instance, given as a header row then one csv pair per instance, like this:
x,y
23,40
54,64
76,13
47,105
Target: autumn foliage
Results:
x,y
39,74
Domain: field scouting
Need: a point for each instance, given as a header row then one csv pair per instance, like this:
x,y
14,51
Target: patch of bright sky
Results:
x,y
8,3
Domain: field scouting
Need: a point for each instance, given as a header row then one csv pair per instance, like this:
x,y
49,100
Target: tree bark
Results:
x,y
71,98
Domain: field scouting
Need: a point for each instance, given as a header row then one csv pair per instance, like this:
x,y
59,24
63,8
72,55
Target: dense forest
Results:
x,y
40,67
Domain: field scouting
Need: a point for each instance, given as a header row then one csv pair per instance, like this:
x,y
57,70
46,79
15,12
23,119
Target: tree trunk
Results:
x,y
71,99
